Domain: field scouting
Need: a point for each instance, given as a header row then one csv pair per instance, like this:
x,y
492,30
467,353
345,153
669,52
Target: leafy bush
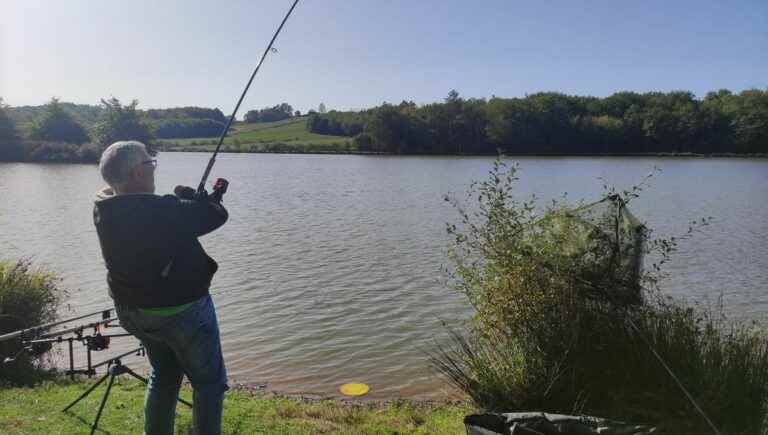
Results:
x,y
89,153
28,297
10,143
364,142
550,334
50,152
56,124
123,122
41,151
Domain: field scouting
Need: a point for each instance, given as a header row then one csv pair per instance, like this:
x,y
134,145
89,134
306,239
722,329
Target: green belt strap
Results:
x,y
165,311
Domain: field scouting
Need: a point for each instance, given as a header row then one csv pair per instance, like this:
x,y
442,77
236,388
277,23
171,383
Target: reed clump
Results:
x,y
574,331
29,297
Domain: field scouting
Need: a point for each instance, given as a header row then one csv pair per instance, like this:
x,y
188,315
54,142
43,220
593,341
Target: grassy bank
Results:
x,y
282,136
38,411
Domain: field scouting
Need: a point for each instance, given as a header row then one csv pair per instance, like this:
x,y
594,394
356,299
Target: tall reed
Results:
x,y
550,334
29,297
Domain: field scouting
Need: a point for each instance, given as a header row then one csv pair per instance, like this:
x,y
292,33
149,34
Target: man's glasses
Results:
x,y
153,162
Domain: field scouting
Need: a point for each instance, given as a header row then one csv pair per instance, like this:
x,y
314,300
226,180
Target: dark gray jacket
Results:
x,y
150,247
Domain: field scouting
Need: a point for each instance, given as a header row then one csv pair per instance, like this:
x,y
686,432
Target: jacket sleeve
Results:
x,y
199,217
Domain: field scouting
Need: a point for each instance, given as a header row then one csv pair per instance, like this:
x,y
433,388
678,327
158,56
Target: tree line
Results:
x,y
58,135
61,131
177,122
540,123
275,113
556,123
186,122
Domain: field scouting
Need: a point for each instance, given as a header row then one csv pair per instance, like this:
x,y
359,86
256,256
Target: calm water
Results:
x,y
331,266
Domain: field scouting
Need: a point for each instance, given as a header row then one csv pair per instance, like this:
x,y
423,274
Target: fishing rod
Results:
x,y
38,329
201,187
200,190
104,322
36,341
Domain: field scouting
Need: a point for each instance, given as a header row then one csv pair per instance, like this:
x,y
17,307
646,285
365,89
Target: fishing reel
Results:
x,y
219,189
97,342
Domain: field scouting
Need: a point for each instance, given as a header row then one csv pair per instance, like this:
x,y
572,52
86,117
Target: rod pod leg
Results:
x,y
112,376
87,392
142,379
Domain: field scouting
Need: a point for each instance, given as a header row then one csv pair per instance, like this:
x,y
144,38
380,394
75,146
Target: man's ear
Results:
x,y
135,173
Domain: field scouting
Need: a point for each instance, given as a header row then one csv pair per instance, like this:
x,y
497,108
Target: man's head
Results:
x,y
128,168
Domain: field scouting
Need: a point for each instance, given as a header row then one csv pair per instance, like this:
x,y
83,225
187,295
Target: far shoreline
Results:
x,y
753,156
372,153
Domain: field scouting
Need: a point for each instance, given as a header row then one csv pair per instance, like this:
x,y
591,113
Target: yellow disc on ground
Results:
x,y
353,389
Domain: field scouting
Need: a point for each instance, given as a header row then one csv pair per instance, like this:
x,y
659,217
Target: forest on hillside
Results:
x,y
556,123
176,122
543,123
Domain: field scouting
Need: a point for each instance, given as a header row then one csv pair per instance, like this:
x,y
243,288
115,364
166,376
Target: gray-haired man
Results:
x,y
159,276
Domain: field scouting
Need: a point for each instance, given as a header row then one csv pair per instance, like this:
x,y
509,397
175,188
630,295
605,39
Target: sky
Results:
x,y
353,54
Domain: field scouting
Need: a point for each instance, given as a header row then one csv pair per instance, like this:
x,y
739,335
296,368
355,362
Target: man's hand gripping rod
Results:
x,y
201,188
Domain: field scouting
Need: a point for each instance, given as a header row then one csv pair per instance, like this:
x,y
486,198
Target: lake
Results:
x,y
332,267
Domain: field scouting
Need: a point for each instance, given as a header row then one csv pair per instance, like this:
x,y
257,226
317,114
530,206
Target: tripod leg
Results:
x,y
93,387
184,401
132,373
103,402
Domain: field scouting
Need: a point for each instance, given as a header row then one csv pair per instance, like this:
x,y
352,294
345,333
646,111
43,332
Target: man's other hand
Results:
x,y
219,189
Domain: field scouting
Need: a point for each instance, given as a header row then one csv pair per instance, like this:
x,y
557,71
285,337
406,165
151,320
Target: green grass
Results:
x,y
38,411
243,127
282,136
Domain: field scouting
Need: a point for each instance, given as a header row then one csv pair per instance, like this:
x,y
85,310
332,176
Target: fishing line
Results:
x,y
673,376
201,187
645,340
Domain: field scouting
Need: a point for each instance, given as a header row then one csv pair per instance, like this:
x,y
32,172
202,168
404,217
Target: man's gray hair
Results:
x,y
118,160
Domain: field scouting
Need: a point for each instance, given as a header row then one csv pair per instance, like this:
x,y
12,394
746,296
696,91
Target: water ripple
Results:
x,y
330,266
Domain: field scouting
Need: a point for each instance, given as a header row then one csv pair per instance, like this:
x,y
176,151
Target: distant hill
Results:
x,y
290,135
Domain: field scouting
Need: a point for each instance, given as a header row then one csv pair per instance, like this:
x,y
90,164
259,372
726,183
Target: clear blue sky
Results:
x,y
356,54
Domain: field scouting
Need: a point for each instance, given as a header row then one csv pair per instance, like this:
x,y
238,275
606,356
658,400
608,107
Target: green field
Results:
x,y
38,411
283,136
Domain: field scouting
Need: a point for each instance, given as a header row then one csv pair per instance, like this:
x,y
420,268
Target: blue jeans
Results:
x,y
183,343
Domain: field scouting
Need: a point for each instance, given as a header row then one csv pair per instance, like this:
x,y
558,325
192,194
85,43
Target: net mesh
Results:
x,y
605,241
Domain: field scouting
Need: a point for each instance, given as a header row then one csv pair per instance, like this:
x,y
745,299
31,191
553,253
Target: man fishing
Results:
x,y
159,278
